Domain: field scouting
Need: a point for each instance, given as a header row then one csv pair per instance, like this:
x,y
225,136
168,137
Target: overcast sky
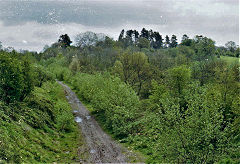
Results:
x,y
31,24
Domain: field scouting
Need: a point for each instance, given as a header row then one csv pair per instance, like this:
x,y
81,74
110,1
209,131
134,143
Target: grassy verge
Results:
x,y
39,130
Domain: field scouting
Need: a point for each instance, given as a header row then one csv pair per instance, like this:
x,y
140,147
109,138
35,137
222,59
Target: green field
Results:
x,y
230,59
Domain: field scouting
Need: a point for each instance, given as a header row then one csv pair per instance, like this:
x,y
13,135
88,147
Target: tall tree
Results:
x,y
64,40
204,47
186,41
136,35
129,37
133,69
0,45
167,41
143,43
173,41
144,33
88,39
121,36
158,40
151,38
231,46
129,34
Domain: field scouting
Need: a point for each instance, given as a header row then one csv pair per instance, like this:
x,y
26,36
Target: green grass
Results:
x,y
230,59
39,130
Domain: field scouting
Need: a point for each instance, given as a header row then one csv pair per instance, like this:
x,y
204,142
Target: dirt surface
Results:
x,y
101,147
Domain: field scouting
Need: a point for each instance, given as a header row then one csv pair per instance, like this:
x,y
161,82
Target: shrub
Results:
x,y
109,95
16,77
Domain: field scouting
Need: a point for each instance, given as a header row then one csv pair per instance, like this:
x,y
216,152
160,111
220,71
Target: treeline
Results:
x,y
146,39
135,65
153,39
176,104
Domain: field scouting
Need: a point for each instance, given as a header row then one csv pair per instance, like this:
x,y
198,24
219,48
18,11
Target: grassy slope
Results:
x,y
41,129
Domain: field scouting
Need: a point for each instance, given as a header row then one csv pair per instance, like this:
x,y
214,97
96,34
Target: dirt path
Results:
x,y
101,147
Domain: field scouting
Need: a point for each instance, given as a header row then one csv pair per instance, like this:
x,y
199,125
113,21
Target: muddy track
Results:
x,y
101,147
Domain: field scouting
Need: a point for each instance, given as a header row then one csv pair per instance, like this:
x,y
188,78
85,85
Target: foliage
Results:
x,y
16,77
133,69
176,103
64,40
109,96
179,77
143,43
88,39
188,107
192,136
39,130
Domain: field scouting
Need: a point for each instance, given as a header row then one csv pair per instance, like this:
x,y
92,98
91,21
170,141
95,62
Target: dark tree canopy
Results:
x,y
144,33
186,41
167,41
158,40
64,40
121,36
173,41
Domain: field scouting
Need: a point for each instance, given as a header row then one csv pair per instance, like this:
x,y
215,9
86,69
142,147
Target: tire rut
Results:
x,y
101,147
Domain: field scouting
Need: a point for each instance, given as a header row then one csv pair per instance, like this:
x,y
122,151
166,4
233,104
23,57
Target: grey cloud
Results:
x,y
90,13
46,20
43,34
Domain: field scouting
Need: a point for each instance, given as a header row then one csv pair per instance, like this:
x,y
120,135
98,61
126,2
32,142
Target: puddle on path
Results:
x,y
78,119
75,111
92,151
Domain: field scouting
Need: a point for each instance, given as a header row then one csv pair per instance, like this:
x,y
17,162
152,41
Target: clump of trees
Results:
x,y
146,39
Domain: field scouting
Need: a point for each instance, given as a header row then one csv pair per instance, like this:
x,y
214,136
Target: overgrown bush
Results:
x,y
109,95
16,77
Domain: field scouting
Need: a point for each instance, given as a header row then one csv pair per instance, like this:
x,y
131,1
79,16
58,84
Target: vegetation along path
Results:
x,y
101,147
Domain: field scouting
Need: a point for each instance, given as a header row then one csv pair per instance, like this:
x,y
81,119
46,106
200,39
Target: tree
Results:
x,y
204,47
144,33
186,41
121,36
192,136
237,52
231,46
106,43
75,66
158,43
88,39
203,71
136,35
133,69
143,43
64,40
167,41
129,37
129,34
151,38
1,45
173,41
16,77
179,77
